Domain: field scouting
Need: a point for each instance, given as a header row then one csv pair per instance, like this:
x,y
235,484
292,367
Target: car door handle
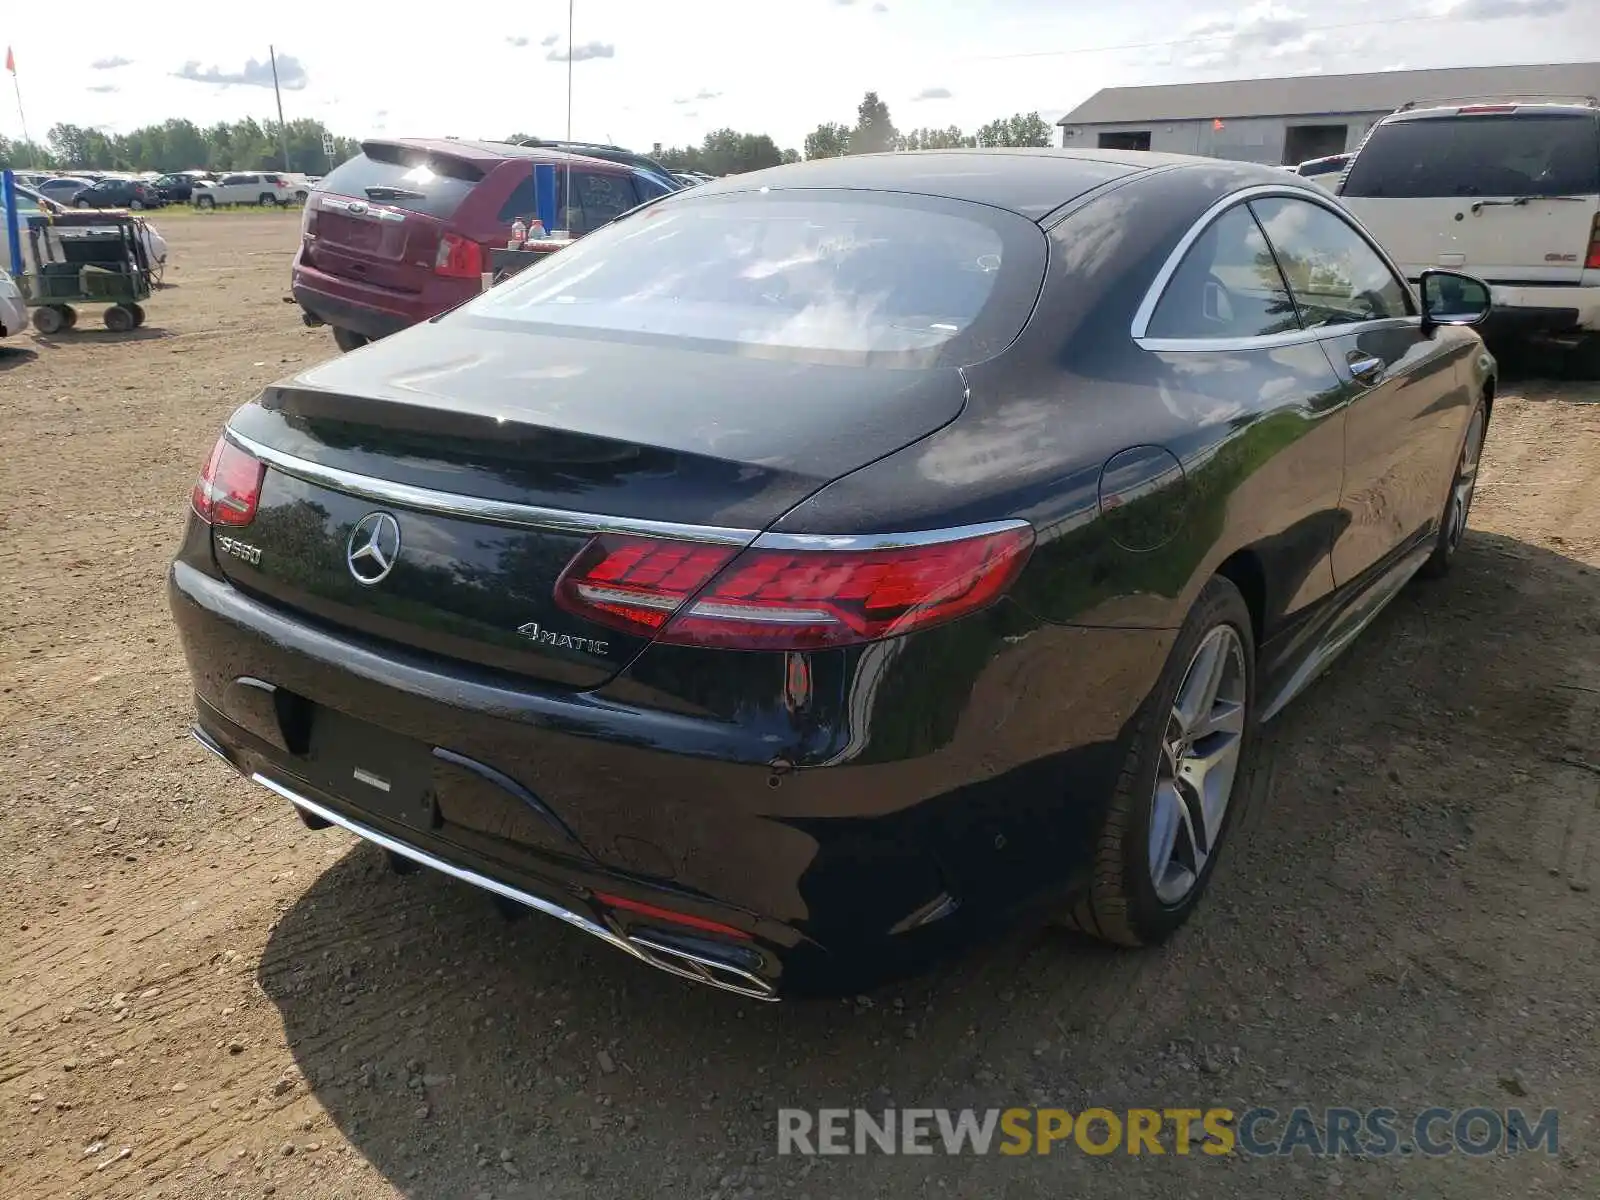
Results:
x,y
1368,368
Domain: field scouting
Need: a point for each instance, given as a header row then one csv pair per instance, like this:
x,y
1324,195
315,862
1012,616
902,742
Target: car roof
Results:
x,y
483,152
1032,182
1432,109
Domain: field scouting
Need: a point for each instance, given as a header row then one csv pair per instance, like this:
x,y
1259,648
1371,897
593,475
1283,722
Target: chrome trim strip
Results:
x,y
758,989
1348,627
359,208
498,512
1309,193
881,541
205,740
1271,341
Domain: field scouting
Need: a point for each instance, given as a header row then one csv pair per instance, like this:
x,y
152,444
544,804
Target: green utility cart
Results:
x,y
85,258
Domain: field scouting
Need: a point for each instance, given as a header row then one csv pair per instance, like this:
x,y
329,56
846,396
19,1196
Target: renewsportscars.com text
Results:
x,y
1215,1132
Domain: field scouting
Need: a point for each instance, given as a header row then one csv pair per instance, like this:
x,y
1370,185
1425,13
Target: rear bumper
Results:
x,y
717,964
1543,311
836,878
370,311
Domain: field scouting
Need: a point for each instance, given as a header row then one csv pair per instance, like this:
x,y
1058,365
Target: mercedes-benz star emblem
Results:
x,y
373,548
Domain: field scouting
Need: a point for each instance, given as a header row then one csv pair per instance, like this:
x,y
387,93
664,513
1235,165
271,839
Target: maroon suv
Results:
x,y
402,232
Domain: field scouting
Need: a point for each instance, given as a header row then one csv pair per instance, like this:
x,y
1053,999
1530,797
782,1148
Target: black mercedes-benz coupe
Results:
x,y
818,569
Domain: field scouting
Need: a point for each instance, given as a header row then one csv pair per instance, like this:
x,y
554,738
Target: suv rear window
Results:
x,y
1515,154
835,276
417,182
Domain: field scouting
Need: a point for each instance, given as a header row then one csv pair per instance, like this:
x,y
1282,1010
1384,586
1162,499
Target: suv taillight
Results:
x,y
229,487
1592,261
458,258
691,594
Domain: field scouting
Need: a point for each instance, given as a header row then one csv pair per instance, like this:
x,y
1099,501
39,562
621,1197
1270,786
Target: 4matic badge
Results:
x,y
561,641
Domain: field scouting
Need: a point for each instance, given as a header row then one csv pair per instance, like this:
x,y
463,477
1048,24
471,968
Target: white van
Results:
x,y
1506,190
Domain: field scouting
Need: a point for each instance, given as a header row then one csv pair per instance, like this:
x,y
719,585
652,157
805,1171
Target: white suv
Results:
x,y
264,188
1506,189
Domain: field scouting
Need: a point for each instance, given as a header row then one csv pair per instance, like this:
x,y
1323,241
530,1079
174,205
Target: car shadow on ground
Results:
x,y
12,357
82,335
464,1055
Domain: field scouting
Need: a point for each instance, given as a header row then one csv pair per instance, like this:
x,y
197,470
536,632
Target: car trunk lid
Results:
x,y
479,464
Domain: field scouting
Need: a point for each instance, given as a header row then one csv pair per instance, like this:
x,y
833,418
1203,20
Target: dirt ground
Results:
x,y
201,998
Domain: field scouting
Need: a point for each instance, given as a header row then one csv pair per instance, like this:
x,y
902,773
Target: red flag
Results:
x,y
11,61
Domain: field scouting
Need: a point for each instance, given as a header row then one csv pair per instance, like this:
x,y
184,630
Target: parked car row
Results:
x,y
200,188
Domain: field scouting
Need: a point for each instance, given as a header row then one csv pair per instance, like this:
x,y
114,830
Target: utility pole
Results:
x,y
566,208
283,133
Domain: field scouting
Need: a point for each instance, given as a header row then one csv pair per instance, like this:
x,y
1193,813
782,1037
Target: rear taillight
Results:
x,y
767,598
229,487
458,258
1591,262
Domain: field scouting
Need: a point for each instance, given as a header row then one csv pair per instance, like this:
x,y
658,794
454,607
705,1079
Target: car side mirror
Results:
x,y
1451,298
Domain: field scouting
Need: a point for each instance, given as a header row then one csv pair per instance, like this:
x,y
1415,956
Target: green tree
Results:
x,y
828,140
874,131
727,152
950,138
1021,129
22,155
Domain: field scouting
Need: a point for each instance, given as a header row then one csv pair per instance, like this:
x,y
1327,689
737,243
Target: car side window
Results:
x,y
248,179
1227,286
1336,277
523,200
600,198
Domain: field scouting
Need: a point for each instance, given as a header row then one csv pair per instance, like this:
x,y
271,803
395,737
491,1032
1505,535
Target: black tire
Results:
x,y
267,200
1122,905
205,202
136,205
347,339
48,320
1584,359
71,315
138,314
1458,504
118,319
80,204
300,197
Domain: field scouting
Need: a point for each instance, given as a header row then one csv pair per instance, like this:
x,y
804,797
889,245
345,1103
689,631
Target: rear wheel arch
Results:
x,y
1243,569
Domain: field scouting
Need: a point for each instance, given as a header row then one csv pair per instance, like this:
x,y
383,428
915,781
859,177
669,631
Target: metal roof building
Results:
x,y
1289,120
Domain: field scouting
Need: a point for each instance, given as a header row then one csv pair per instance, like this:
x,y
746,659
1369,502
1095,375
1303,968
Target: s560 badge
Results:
x,y
250,554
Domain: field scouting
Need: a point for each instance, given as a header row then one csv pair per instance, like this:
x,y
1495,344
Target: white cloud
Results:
x,y
583,52
933,93
1494,10
292,76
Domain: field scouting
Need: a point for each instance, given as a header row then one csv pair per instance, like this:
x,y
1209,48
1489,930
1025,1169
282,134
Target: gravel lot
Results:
x,y
201,998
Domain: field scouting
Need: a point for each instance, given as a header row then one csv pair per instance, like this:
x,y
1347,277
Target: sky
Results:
x,y
646,72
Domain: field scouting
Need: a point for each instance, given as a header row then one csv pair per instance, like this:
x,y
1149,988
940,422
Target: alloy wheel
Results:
x,y
1198,765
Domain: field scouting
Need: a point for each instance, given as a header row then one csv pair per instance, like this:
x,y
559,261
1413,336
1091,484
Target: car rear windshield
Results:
x,y
1511,154
434,185
883,278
